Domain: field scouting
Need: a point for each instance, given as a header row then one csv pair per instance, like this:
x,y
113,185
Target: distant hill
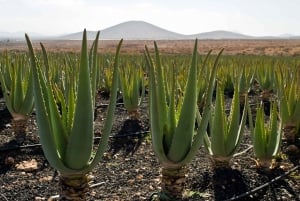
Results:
x,y
220,35
295,37
140,30
131,30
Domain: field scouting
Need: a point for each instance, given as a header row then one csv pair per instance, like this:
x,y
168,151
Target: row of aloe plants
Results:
x,y
64,104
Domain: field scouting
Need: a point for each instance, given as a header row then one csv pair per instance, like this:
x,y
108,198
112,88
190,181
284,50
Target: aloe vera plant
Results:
x,y
266,137
227,76
107,77
225,132
203,73
132,88
245,82
266,78
67,135
16,81
175,140
289,103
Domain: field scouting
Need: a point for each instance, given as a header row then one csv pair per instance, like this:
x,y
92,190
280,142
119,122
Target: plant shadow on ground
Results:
x,y
5,118
228,181
129,138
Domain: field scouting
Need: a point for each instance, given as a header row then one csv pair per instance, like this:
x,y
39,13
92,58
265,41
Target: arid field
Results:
x,y
232,47
130,169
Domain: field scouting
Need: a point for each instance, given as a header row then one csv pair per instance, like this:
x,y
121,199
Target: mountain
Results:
x,y
131,30
289,36
140,30
286,35
220,35
295,37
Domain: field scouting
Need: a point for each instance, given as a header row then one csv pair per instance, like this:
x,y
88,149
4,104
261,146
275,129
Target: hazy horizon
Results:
x,y
57,17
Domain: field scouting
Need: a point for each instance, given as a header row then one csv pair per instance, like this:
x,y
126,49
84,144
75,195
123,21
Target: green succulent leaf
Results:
x,y
80,141
219,124
183,135
266,138
156,116
110,113
49,143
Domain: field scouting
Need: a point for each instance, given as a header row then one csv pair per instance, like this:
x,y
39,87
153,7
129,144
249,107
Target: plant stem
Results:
x,y
74,187
173,181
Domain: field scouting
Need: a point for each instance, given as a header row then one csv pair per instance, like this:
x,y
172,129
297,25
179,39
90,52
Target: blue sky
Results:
x,y
54,17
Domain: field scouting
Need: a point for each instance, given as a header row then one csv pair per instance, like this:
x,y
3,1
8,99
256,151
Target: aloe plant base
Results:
x,y
134,114
266,164
74,187
19,129
221,162
173,181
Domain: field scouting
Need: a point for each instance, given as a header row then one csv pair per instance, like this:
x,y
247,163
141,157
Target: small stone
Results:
x,y
39,198
139,177
28,166
9,161
130,181
156,180
44,179
292,150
